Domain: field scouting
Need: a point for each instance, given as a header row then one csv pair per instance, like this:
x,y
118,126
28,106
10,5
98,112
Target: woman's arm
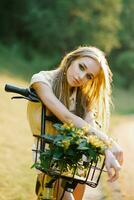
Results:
x,y
61,112
112,165
55,106
89,118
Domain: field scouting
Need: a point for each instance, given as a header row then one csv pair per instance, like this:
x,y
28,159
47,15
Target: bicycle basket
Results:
x,y
85,171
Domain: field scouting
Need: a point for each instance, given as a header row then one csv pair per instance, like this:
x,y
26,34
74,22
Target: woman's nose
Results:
x,y
81,75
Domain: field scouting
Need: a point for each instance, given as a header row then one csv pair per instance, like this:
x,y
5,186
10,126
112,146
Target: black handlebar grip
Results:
x,y
18,90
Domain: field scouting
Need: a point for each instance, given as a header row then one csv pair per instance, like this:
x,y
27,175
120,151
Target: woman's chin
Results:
x,y
73,85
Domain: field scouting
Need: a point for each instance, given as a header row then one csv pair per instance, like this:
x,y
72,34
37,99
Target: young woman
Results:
x,y
79,91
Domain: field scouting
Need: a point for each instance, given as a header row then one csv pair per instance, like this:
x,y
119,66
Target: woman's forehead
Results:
x,y
87,60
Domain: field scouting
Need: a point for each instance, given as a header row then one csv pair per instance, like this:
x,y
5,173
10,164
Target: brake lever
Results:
x,y
29,98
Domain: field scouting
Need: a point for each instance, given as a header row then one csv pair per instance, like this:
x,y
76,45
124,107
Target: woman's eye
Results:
x,y
89,77
81,67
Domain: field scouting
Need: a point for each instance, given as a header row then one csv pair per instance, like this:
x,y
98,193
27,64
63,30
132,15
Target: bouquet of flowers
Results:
x,y
71,149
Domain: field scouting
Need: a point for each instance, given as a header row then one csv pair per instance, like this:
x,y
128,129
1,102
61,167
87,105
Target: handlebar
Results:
x,y
14,89
27,93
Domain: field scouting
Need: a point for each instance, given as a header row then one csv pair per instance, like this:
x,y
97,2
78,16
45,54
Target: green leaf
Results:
x,y
82,148
59,137
58,153
34,165
83,145
70,152
58,127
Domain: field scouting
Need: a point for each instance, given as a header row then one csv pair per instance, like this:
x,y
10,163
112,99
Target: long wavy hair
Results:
x,y
93,96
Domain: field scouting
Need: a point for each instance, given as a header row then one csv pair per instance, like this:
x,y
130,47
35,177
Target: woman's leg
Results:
x,y
79,192
67,195
38,189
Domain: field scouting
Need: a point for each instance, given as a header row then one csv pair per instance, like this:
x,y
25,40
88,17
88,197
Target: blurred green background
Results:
x,y
36,34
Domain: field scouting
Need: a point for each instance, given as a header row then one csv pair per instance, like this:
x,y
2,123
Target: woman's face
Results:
x,y
82,70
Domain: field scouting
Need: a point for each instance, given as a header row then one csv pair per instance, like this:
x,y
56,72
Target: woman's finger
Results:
x,y
115,176
113,170
109,171
119,157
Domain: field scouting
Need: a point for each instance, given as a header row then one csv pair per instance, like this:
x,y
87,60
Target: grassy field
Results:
x,y
16,177
17,180
14,61
123,100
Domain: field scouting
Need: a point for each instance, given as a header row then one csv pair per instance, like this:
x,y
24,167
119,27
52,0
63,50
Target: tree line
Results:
x,y
55,27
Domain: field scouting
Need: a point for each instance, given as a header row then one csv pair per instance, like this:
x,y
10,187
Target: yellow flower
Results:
x,y
108,143
80,132
95,141
86,128
66,144
66,126
71,125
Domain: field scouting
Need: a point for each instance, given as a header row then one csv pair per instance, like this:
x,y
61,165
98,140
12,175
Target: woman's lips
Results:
x,y
76,81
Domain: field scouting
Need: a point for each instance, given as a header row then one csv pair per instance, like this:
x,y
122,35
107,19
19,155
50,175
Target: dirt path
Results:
x,y
123,189
125,134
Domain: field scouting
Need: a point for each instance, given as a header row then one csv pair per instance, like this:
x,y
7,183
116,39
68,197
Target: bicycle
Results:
x,y
48,187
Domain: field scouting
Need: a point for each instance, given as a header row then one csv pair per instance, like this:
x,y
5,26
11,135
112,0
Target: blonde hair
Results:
x,y
95,95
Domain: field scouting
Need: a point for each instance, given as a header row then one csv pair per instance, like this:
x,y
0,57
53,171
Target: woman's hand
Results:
x,y
112,165
115,148
117,151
